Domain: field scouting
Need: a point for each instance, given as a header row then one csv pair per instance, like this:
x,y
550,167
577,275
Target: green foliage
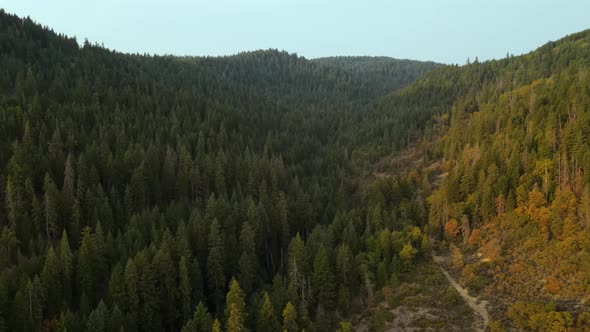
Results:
x,y
289,318
99,319
267,320
166,175
235,307
536,316
184,288
215,271
382,74
323,278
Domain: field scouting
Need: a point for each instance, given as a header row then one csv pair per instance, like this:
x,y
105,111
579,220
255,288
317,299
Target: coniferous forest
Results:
x,y
268,192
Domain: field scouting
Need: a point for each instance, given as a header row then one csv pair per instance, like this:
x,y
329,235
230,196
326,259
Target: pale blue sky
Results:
x,y
440,30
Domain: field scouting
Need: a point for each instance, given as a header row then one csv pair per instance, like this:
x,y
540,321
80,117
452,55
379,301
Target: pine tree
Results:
x,y
75,223
202,320
344,263
86,264
247,262
220,185
236,306
290,318
150,298
67,267
216,327
3,307
14,202
196,277
267,320
116,321
9,242
235,321
165,277
323,278
21,320
296,265
184,288
215,260
98,319
284,223
34,302
52,282
100,250
68,185
182,245
51,201
343,299
132,305
168,174
117,294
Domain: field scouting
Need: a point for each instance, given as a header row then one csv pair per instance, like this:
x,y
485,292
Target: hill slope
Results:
x,y
513,206
383,73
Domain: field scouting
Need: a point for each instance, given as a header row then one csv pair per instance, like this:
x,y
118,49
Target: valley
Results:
x,y
265,191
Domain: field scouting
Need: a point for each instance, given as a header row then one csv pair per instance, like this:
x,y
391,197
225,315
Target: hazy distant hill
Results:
x,y
386,74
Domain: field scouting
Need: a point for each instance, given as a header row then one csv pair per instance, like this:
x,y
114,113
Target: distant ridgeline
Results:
x,y
383,73
164,193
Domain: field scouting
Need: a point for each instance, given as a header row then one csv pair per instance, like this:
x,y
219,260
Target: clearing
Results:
x,y
479,306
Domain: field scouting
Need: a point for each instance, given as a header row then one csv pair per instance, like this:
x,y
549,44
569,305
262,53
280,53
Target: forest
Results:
x,y
267,192
162,193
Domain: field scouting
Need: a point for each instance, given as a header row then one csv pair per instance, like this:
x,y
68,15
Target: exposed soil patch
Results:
x,y
479,306
423,301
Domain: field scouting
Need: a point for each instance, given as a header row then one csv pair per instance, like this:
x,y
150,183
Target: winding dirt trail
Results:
x,y
478,306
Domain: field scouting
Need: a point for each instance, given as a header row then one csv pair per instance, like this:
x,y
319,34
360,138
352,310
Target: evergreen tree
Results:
x,y
202,319
116,322
34,303
132,304
52,282
51,201
98,320
235,307
184,288
117,293
86,267
215,271
196,277
150,299
290,318
67,267
216,326
267,320
235,320
323,278
247,262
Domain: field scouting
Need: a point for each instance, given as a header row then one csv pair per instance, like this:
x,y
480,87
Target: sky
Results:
x,y
448,31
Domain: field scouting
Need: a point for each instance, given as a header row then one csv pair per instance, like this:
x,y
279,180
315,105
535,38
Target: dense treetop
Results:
x,y
384,74
162,193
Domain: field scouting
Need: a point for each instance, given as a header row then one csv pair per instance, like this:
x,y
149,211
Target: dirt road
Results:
x,y
478,306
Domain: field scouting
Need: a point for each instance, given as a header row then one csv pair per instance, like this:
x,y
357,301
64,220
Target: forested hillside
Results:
x,y
382,73
149,193
514,206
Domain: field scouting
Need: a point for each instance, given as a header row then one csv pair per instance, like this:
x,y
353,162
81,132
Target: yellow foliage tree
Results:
x,y
407,253
451,230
